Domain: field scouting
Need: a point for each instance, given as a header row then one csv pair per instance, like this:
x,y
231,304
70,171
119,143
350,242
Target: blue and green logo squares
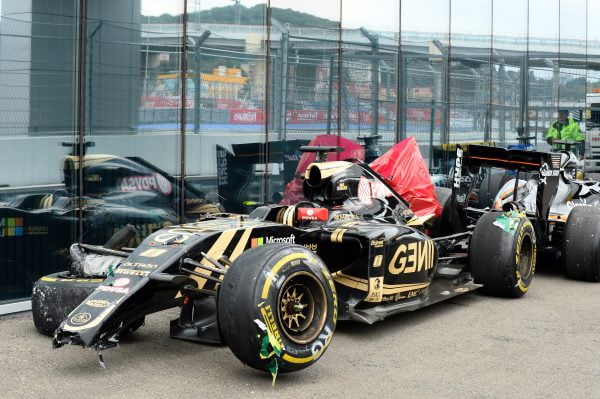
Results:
x,y
11,227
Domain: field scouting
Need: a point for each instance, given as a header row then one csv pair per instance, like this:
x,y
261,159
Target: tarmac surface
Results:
x,y
545,345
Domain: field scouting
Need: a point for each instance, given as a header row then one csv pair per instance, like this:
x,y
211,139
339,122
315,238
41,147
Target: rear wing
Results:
x,y
470,159
515,160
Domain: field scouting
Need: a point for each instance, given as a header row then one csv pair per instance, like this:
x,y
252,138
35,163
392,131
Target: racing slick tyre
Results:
x,y
503,260
55,296
277,308
581,244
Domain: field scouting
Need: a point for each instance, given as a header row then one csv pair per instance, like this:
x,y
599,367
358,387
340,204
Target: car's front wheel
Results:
x,y
277,308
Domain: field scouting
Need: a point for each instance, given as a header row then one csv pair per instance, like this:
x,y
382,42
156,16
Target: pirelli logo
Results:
x,y
413,257
132,272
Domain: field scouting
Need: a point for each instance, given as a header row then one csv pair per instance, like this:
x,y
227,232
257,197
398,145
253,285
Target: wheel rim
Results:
x,y
526,257
302,307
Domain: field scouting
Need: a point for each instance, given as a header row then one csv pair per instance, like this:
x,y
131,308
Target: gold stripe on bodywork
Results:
x,y
279,217
241,245
214,252
337,234
387,289
363,285
418,221
350,281
288,216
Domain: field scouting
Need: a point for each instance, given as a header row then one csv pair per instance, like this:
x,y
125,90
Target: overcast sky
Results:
x,y
468,16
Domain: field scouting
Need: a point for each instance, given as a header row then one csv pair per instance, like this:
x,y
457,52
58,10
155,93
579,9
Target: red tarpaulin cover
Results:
x,y
407,173
293,190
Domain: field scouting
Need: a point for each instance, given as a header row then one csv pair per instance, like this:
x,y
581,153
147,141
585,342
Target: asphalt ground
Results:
x,y
545,345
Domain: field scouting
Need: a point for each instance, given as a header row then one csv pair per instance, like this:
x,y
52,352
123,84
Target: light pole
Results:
x,y
237,11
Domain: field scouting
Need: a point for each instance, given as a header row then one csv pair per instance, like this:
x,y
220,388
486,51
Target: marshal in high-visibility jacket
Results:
x,y
564,128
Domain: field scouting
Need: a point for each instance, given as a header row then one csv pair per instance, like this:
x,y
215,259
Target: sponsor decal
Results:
x,y
345,216
80,318
132,272
98,303
458,167
155,182
93,178
257,242
291,157
546,171
342,187
312,246
15,227
375,290
153,252
178,236
321,342
121,282
222,175
377,260
377,243
413,257
11,227
115,290
140,265
405,295
309,214
36,230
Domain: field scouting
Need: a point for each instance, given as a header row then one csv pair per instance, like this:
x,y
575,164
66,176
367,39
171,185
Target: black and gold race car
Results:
x,y
273,284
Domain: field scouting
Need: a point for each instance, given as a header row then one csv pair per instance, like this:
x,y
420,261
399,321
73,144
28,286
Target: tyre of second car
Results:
x,y
581,244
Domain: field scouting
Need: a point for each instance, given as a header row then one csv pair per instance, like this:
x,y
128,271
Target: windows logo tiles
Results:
x,y
11,227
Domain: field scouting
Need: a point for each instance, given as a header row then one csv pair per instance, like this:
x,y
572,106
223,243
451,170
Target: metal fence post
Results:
x,y
330,95
198,80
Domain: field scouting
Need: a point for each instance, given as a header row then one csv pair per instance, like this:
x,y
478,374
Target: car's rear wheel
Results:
x,y
277,308
502,254
581,244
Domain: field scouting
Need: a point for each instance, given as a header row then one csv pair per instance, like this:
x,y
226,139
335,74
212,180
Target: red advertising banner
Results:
x,y
246,116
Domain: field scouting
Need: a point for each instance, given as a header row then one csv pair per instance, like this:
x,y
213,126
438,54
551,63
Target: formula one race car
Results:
x,y
37,229
574,216
273,284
